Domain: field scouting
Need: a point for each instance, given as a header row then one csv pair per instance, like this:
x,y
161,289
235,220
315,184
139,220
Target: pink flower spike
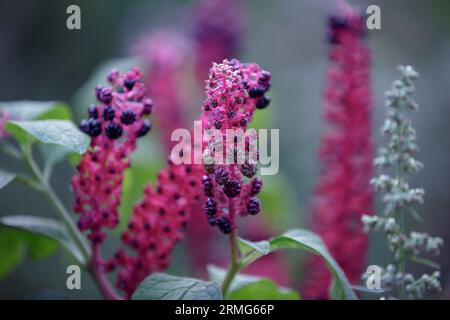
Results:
x,y
114,124
343,193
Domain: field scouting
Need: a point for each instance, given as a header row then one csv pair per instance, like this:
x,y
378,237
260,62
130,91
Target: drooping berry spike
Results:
x,y
343,193
233,92
156,226
114,124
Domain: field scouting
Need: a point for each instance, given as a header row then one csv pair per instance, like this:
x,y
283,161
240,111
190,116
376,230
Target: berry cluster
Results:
x,y
234,90
114,124
156,226
343,193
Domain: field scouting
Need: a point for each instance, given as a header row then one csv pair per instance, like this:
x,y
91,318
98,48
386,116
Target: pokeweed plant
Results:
x,y
400,198
105,141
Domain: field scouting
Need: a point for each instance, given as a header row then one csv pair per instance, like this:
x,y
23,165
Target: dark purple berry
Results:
x,y
128,117
108,113
148,106
145,128
253,206
207,186
232,188
93,112
214,104
264,78
338,22
248,169
221,176
256,186
210,207
256,92
91,127
263,102
217,124
104,94
129,83
84,126
224,225
243,122
113,130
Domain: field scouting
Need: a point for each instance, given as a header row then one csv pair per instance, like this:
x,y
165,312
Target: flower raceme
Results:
x,y
343,193
234,90
157,225
114,124
167,55
217,29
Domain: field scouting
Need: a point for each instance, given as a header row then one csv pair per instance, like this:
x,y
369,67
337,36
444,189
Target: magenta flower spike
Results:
x,y
343,193
234,90
217,28
114,124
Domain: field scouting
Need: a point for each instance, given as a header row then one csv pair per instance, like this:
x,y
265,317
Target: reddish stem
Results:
x,y
101,279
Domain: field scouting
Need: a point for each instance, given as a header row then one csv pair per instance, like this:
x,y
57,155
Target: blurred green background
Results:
x,y
40,59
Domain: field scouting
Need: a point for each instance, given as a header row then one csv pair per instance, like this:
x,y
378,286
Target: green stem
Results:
x,y
234,266
400,216
58,205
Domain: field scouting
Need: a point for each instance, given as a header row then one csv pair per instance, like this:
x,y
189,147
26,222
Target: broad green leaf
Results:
x,y
59,132
245,247
311,242
31,110
44,226
248,287
6,178
11,251
161,286
85,95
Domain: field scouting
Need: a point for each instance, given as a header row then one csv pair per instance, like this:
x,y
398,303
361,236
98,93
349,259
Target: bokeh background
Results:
x,y
40,59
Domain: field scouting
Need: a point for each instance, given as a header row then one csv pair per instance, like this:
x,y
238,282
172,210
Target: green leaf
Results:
x,y
6,178
31,110
59,132
161,286
310,242
248,287
44,226
11,251
246,246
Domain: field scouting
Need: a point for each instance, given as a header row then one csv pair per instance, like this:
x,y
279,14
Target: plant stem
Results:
x,y
399,213
92,260
235,265
101,279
